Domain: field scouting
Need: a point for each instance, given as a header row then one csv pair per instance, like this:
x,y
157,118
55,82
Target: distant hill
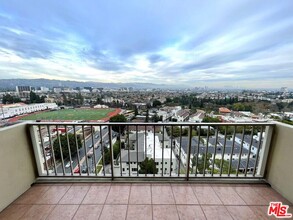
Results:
x,y
11,83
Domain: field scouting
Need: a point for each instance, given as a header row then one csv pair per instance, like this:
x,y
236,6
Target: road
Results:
x,y
84,150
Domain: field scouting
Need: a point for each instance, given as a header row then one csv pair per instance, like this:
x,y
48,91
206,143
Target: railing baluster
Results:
x,y
171,151
69,150
198,144
145,146
43,150
241,146
102,151
94,152
163,152
85,150
52,150
232,151
223,151
136,151
206,152
111,151
215,150
129,167
155,149
120,157
188,152
77,149
61,152
180,143
249,150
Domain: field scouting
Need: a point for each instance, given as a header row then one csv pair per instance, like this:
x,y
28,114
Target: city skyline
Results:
x,y
240,44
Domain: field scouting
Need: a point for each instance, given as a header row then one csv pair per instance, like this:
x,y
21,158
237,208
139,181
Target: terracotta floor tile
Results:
x,y
241,213
118,194
162,194
228,195
216,212
141,212
270,195
32,194
75,194
88,212
14,212
114,212
187,212
261,212
165,212
38,212
206,195
249,196
53,194
140,194
97,194
63,212
183,194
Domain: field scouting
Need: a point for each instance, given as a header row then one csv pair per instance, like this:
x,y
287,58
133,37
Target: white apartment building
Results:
x,y
150,146
11,110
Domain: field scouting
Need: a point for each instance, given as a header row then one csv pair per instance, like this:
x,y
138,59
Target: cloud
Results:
x,y
191,43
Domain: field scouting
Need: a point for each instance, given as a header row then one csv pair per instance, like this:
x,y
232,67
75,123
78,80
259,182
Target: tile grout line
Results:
x,y
175,201
194,193
105,201
81,202
217,195
203,212
55,205
128,201
152,201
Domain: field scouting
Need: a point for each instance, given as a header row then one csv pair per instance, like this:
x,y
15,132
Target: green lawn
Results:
x,y
70,114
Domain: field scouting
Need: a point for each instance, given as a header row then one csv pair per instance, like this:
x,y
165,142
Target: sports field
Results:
x,y
70,114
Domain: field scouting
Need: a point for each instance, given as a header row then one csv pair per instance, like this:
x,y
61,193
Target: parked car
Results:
x,y
97,136
68,164
76,170
84,170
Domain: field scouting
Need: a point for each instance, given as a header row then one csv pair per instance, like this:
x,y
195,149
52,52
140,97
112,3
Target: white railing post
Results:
x,y
37,150
264,152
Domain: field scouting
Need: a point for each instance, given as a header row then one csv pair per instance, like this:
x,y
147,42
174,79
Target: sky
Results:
x,y
227,43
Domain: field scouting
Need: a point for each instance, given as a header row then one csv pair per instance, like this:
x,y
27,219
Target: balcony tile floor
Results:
x,y
143,201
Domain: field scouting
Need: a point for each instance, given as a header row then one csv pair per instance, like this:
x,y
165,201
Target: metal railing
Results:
x,y
155,150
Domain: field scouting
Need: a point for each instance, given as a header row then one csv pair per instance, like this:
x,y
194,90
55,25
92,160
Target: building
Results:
x,y
11,110
23,91
147,145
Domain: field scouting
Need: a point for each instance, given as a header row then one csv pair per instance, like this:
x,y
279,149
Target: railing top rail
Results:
x,y
155,124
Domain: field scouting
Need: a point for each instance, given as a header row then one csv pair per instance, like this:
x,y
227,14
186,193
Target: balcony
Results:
x,y
231,171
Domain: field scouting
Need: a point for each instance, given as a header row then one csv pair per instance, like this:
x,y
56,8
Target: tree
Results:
x,y
156,103
210,119
136,111
8,99
118,118
147,116
34,98
148,166
201,161
155,118
116,152
64,145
